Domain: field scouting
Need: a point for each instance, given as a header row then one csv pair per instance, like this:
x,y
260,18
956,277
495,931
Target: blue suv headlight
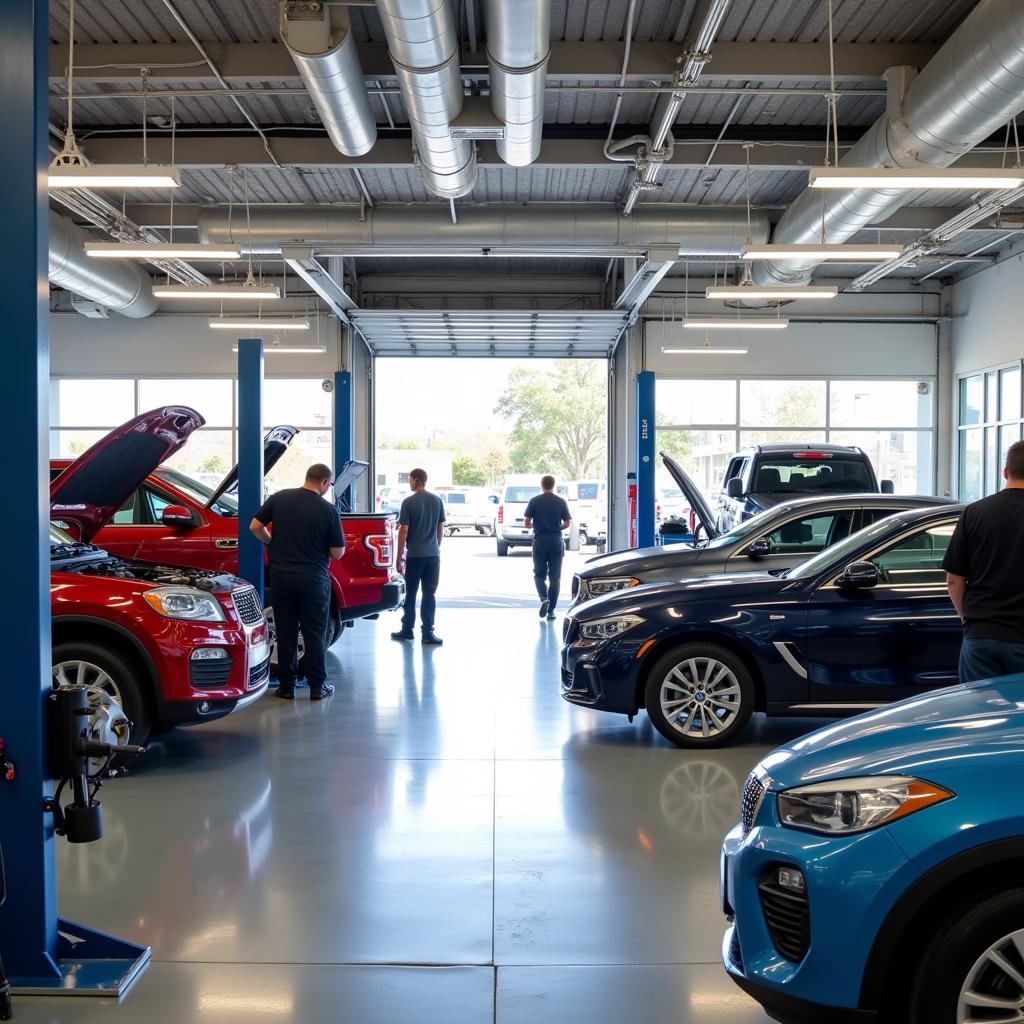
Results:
x,y
846,806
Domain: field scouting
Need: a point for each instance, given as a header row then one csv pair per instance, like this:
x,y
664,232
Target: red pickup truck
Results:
x,y
156,644
174,518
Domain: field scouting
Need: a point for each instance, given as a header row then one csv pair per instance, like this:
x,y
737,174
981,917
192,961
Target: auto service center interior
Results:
x,y
731,777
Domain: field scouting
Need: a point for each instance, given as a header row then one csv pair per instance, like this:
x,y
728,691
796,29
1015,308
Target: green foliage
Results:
x,y
677,443
214,464
558,419
467,473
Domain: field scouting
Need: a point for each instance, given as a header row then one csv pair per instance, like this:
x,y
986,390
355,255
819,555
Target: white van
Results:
x,y
515,495
588,506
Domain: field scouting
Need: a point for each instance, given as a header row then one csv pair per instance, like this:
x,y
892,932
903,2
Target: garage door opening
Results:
x,y
486,430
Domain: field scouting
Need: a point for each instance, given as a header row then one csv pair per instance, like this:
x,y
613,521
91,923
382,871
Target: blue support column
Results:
x,y
344,429
37,953
250,458
645,459
28,920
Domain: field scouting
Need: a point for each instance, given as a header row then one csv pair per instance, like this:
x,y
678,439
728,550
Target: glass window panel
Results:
x,y
916,559
69,444
906,457
703,454
992,475
880,403
1007,436
991,397
781,436
298,402
686,402
93,403
970,465
210,397
1009,393
782,403
308,447
972,400
207,457
810,534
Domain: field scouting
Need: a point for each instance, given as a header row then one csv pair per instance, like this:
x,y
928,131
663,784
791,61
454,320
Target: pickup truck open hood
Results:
x,y
98,483
275,444
693,496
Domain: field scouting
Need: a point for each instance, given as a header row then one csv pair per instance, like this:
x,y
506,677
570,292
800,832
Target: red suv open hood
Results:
x,y
98,483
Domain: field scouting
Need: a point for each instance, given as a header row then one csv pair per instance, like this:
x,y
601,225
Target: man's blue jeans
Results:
x,y
984,659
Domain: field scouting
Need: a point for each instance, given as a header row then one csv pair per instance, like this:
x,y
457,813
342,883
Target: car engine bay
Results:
x,y
90,560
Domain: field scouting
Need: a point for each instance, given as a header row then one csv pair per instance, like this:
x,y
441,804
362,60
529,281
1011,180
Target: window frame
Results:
x,y
992,424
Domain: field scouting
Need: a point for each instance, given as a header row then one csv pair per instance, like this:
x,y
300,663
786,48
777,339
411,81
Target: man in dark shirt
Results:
x,y
985,575
307,535
548,514
420,528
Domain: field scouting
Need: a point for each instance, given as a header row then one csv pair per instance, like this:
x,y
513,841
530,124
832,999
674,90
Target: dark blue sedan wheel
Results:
x,y
699,695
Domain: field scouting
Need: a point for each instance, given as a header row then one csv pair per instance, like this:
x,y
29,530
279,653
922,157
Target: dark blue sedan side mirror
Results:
x,y
860,576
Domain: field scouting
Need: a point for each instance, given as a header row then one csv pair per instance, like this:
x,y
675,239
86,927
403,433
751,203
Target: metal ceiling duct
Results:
x,y
518,47
424,48
319,38
120,285
544,230
971,88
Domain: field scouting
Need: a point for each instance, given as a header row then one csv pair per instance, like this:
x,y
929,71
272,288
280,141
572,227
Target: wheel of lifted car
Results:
x,y
699,695
972,969
107,671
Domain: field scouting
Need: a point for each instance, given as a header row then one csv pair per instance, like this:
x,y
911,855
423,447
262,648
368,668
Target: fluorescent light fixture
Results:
x,y
289,349
705,350
258,324
216,291
754,292
112,176
822,253
916,177
161,250
764,324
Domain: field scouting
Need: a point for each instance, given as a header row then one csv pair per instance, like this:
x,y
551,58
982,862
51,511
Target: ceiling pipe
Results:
x,y
967,91
424,48
120,285
518,47
698,53
319,38
545,230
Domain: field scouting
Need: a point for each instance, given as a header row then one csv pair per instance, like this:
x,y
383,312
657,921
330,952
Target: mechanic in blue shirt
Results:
x,y
420,529
548,514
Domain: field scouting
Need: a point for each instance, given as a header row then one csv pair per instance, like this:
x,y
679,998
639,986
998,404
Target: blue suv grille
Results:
x,y
750,803
788,918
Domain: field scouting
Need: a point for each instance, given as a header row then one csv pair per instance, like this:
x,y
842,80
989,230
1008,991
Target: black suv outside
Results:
x,y
762,475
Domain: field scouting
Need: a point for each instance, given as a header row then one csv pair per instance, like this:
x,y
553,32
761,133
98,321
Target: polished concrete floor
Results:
x,y
445,840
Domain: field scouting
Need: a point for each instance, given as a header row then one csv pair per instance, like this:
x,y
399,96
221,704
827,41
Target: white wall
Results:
x,y
987,317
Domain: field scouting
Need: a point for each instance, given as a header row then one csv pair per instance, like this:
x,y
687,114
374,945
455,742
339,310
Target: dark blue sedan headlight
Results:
x,y
610,627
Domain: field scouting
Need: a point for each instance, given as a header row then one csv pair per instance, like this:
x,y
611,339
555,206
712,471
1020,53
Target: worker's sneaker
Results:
x,y
432,640
323,691
544,606
402,635
551,616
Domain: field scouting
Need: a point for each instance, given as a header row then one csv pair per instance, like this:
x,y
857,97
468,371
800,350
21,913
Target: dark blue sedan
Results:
x,y
865,622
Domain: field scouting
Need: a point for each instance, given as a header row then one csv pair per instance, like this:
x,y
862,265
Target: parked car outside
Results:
x,y
778,538
875,875
762,475
164,644
171,517
515,495
863,623
389,499
469,508
588,506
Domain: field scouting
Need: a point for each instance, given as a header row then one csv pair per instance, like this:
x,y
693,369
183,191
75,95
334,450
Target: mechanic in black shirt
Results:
x,y
307,535
985,574
548,514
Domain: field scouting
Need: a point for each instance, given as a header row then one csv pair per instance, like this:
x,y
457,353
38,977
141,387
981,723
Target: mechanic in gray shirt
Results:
x,y
420,529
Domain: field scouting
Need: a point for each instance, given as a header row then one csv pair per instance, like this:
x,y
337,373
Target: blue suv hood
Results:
x,y
919,736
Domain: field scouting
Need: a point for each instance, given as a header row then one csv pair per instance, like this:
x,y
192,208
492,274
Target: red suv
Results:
x,y
173,517
165,644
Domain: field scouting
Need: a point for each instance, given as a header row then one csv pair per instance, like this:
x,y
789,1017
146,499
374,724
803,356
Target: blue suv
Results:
x,y
878,870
